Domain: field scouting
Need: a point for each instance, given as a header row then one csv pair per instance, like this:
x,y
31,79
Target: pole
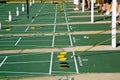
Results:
x,y
83,7
114,24
92,11
27,5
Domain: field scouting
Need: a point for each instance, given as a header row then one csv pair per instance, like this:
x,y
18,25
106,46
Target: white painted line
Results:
x,y
23,55
71,43
23,72
51,63
66,18
84,59
32,20
55,19
26,29
18,41
76,66
80,61
74,40
63,72
68,27
71,27
27,62
53,41
3,61
54,28
36,15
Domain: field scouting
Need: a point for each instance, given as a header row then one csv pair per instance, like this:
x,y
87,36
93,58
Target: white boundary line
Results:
x,y
37,53
37,46
51,62
37,14
76,66
22,72
68,26
66,19
27,62
34,19
40,40
3,61
71,43
53,41
55,19
70,40
18,41
64,72
27,28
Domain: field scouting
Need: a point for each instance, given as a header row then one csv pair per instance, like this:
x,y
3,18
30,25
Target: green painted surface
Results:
x,y
100,61
60,41
38,64
90,27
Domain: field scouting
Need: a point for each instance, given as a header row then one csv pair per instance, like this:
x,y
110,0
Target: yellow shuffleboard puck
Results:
x,y
62,59
63,53
60,56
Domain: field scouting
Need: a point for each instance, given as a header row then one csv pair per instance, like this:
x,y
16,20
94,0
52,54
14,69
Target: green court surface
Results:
x,y
60,41
43,64
49,28
89,18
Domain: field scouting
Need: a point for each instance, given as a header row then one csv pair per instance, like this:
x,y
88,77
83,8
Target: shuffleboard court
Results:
x,y
39,64
34,47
